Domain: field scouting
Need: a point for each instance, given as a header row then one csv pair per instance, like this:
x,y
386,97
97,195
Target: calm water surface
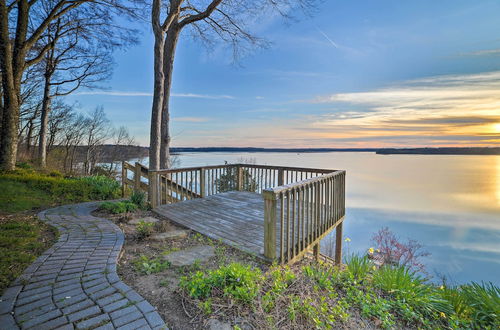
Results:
x,y
451,204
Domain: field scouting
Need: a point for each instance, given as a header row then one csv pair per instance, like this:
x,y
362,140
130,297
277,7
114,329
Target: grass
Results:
x,y
22,238
16,196
29,189
321,296
24,191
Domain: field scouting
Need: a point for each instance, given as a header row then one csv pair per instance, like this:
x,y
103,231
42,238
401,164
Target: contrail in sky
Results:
x,y
328,38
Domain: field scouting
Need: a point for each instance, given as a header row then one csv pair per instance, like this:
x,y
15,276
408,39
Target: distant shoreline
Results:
x,y
380,151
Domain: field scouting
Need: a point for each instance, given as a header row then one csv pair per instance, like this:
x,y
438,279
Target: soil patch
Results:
x,y
144,264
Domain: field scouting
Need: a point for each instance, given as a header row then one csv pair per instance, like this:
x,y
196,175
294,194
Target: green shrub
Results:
x,y
234,280
118,207
484,303
406,286
102,187
150,266
358,266
229,180
66,190
139,198
144,229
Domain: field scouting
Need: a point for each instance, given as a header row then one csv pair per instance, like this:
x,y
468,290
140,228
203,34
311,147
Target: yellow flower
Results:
x,y
443,315
441,287
374,267
347,239
371,250
378,250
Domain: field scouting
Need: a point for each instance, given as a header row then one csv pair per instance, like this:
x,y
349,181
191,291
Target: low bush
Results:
x,y
324,297
234,280
358,267
144,229
139,199
414,298
118,207
64,189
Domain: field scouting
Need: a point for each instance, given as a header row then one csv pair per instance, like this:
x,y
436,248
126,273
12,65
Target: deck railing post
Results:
x,y
338,244
270,206
316,251
239,178
124,178
281,177
137,177
154,192
202,183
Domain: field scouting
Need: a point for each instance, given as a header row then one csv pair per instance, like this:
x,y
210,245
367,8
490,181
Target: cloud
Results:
x,y
450,110
485,52
133,93
191,119
448,105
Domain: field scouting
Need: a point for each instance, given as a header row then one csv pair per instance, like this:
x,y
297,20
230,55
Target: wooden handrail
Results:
x,y
295,185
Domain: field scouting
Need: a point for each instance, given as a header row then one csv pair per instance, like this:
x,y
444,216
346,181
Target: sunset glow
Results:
x,y
352,76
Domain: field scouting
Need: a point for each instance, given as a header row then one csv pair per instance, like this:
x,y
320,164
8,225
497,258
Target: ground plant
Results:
x,y
323,296
144,229
118,207
148,265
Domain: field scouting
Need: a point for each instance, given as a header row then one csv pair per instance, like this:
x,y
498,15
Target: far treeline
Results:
x,y
382,151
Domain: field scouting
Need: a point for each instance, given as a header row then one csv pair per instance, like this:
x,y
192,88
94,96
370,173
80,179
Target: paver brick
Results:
x,y
41,318
92,322
137,324
116,305
74,283
90,311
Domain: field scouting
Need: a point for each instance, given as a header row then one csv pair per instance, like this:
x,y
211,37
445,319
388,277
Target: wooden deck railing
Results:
x,y
301,205
298,215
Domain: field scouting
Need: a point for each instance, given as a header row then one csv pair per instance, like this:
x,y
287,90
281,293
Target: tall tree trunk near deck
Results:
x,y
168,66
44,122
155,133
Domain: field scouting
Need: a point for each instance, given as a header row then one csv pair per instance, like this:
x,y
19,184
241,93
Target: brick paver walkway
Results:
x,y
74,284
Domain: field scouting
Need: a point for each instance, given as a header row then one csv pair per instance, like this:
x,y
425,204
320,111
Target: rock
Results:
x,y
172,234
146,219
190,255
214,324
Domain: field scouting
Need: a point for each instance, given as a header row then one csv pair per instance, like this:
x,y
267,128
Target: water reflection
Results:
x,y
451,204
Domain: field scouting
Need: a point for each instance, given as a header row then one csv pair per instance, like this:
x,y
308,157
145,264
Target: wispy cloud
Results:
x,y
134,93
191,119
484,52
440,110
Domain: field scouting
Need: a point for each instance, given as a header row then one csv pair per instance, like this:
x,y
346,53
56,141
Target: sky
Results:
x,y
355,74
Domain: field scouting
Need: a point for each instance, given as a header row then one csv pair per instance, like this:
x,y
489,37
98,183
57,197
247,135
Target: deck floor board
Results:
x,y
235,217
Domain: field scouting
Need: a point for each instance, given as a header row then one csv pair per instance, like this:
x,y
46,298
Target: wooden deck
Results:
x,y
250,216
235,217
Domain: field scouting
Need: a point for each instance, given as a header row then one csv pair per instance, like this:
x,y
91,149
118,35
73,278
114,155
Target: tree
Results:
x,y
223,19
81,56
97,130
21,45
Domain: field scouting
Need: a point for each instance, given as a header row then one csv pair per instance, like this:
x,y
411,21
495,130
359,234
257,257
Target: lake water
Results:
x,y
450,204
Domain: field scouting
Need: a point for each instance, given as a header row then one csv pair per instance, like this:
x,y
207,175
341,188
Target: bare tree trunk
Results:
x,y
44,121
12,66
168,65
155,133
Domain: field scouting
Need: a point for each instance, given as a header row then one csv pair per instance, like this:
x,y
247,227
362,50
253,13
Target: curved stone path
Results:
x,y
74,284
